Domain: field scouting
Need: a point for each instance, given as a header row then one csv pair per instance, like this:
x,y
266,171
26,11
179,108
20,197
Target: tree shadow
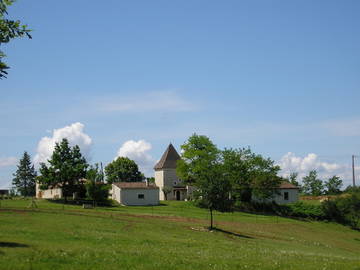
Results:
x,y
12,245
232,233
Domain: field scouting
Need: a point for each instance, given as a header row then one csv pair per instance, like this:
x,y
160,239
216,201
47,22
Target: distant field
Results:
x,y
170,236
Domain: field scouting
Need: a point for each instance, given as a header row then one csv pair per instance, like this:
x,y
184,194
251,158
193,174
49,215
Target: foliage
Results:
x,y
123,169
66,167
344,209
166,190
25,176
333,185
250,174
9,29
96,190
201,167
292,179
312,185
352,189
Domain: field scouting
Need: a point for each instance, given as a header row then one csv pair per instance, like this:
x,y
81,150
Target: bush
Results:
x,y
345,210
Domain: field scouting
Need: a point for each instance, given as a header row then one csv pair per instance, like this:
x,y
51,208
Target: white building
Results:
x,y
51,193
285,193
135,193
165,176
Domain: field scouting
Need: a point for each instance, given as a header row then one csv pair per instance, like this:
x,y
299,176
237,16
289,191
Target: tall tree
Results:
x,y
66,167
123,169
201,166
250,174
96,190
312,185
9,29
25,176
293,179
333,185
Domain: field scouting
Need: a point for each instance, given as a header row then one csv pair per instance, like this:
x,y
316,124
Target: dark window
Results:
x,y
141,196
286,196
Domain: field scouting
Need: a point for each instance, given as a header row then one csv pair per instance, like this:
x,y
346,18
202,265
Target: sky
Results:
x,y
126,78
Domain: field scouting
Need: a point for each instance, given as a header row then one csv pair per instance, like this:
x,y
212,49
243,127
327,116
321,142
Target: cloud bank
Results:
x,y
302,165
75,135
139,152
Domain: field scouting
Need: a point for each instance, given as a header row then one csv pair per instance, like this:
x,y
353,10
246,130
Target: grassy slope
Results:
x,y
171,236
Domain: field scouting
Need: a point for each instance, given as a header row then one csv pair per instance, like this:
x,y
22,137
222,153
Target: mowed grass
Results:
x,y
170,236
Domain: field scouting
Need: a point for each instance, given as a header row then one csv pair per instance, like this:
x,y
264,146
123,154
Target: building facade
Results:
x,y
135,193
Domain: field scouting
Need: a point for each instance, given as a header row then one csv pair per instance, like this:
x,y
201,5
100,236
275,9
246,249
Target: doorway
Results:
x,y
178,195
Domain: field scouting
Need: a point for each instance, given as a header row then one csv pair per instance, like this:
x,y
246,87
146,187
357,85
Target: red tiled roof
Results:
x,y
125,185
168,159
287,185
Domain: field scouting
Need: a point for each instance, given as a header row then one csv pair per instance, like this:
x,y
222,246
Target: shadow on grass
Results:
x,y
12,245
232,233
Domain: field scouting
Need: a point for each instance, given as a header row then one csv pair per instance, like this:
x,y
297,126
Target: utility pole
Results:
x,y
353,169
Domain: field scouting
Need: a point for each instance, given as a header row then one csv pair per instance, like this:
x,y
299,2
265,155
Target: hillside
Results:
x,y
170,236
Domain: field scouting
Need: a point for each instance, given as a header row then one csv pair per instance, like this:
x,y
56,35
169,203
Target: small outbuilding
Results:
x,y
285,193
135,193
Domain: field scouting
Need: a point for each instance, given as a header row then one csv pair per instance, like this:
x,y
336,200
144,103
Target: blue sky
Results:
x,y
278,76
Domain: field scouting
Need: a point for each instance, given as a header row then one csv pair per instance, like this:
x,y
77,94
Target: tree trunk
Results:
x,y
211,219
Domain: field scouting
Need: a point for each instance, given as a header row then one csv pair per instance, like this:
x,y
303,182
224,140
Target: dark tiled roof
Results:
x,y
135,185
168,159
287,185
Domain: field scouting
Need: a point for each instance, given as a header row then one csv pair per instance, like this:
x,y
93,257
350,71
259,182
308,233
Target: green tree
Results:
x,y
201,167
250,174
333,185
312,185
9,29
25,176
123,169
96,190
292,179
66,167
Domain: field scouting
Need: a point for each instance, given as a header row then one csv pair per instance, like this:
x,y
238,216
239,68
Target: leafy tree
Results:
x,y
9,29
250,174
123,169
66,167
25,176
312,185
292,179
333,185
201,166
166,190
96,190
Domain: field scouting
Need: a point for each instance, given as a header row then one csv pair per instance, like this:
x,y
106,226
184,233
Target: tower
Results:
x,y
165,175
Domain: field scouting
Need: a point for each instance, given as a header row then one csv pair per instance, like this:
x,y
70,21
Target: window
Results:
x,y
286,196
141,196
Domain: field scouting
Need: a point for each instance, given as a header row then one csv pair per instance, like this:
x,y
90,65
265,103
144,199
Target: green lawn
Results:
x,y
170,236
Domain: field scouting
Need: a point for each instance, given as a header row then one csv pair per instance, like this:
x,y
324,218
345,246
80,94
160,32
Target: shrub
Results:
x,y
345,210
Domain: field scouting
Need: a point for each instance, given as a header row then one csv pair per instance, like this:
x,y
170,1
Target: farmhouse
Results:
x,y
51,193
165,177
135,193
285,193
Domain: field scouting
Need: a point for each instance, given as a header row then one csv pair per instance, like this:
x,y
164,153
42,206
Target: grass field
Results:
x,y
170,236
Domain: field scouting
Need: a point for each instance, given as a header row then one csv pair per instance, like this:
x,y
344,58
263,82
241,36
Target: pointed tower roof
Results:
x,y
168,159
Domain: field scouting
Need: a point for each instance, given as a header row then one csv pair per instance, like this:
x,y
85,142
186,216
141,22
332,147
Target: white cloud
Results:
x,y
8,161
302,165
153,101
138,151
75,135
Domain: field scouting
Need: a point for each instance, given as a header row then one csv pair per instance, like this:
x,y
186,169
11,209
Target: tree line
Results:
x,y
68,169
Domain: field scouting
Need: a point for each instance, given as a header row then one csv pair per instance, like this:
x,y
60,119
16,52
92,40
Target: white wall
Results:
x,y
129,196
293,196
